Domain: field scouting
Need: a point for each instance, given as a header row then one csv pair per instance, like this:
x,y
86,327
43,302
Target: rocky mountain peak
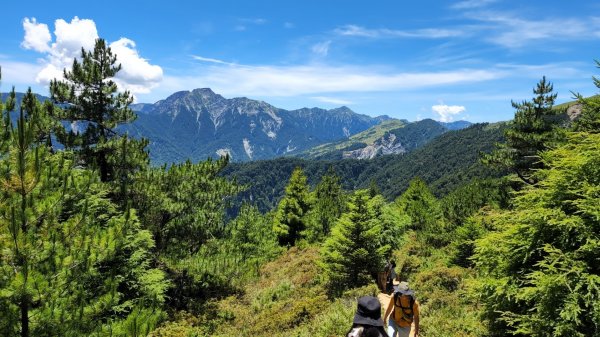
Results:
x,y
200,95
206,94
343,110
201,123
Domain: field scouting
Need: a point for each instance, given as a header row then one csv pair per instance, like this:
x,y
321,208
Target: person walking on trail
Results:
x,y
402,311
367,320
390,269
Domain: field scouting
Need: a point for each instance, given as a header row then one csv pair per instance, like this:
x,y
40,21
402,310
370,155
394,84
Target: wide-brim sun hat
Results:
x,y
403,288
368,312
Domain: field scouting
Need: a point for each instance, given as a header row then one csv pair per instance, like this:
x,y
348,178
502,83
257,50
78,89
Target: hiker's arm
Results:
x,y
388,310
416,319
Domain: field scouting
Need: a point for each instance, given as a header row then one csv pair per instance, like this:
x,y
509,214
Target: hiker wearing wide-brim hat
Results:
x,y
403,288
402,311
367,320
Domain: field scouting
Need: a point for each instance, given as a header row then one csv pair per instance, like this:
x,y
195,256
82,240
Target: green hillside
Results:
x,y
360,139
446,162
390,137
571,103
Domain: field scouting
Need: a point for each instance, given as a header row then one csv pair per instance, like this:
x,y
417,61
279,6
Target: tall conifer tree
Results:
x,y
290,218
183,205
421,205
72,263
425,212
355,251
540,271
92,103
329,204
534,129
589,121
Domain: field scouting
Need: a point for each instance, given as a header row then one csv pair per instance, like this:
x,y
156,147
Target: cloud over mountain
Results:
x,y
137,74
446,113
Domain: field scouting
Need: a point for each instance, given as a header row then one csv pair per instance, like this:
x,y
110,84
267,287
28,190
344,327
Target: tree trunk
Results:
x,y
24,315
103,166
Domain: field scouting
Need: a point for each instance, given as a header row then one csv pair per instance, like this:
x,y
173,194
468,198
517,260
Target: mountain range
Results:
x,y
200,123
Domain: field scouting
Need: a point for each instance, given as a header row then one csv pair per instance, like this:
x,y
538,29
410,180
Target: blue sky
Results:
x,y
447,60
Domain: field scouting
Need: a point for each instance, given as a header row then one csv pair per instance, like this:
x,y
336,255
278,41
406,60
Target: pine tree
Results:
x,y
421,206
540,269
329,204
251,236
589,120
466,200
91,102
354,253
72,263
374,188
534,129
393,222
290,219
183,205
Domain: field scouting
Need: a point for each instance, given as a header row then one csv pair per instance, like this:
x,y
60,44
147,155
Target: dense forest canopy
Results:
x,y
448,161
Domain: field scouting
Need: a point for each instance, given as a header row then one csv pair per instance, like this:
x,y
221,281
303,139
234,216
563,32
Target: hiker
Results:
x,y
402,311
367,320
390,269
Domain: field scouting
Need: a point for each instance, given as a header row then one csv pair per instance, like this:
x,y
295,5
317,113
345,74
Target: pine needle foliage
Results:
x,y
290,219
589,120
72,263
354,253
91,102
329,204
183,205
424,210
535,128
540,268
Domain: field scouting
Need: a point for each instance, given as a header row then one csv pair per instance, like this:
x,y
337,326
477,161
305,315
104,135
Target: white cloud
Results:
x,y
469,4
136,74
37,36
353,30
254,21
427,33
287,81
19,73
244,22
210,60
446,112
332,100
288,25
322,48
51,71
510,31
551,70
71,37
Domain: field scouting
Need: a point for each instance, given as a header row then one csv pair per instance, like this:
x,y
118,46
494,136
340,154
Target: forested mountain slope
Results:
x,y
389,137
444,163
